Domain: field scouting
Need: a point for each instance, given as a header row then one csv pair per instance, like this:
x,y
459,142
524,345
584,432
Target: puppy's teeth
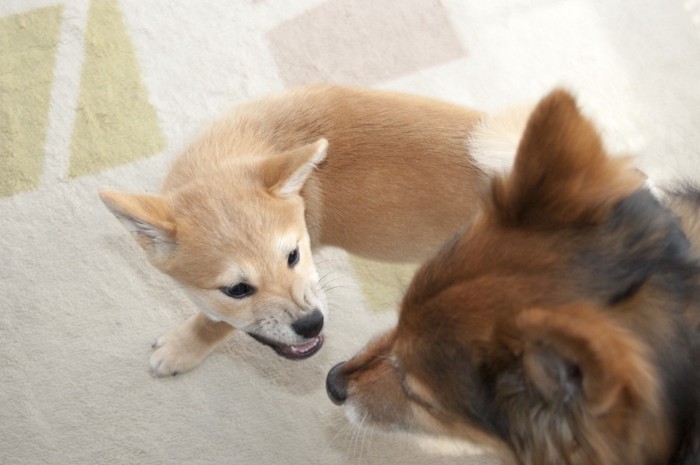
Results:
x,y
304,347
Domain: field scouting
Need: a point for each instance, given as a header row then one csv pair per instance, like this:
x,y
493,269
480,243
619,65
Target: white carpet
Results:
x,y
105,93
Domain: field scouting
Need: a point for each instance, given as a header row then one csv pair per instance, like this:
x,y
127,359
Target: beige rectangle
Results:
x,y
361,42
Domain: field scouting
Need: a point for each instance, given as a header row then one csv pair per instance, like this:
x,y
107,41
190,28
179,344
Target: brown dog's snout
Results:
x,y
335,385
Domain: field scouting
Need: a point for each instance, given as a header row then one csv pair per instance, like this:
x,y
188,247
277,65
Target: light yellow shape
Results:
x,y
382,284
115,123
27,56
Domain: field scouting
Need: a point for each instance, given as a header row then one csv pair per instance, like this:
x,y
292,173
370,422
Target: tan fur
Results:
x,y
383,175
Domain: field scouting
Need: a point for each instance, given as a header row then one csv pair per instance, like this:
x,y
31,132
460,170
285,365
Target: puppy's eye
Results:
x,y
239,291
293,258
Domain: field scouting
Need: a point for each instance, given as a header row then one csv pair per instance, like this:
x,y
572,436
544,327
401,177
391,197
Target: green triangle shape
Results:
x,y
115,123
382,284
27,56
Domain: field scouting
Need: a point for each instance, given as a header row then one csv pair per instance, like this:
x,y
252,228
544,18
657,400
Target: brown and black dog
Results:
x,y
560,326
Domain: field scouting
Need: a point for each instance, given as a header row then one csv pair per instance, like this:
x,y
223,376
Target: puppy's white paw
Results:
x,y
175,354
184,347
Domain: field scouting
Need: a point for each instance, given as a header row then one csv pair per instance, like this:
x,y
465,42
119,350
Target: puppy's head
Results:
x,y
553,325
237,241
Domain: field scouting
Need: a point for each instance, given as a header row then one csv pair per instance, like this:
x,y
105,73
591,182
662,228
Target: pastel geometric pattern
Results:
x,y
382,284
27,55
364,41
115,123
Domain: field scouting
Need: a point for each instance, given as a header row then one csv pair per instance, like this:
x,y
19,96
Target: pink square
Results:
x,y
361,42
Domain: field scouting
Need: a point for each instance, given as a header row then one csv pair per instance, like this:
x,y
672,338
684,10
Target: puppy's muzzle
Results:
x,y
310,325
336,387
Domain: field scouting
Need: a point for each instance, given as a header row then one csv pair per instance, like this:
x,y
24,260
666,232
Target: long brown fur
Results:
x,y
561,325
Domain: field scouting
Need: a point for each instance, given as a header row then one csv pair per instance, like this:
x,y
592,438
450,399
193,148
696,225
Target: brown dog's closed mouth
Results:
x,y
292,351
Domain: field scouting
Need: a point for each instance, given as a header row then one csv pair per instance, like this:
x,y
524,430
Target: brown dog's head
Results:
x,y
560,323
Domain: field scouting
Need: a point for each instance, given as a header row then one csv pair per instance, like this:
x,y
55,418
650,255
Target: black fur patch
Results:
x,y
642,240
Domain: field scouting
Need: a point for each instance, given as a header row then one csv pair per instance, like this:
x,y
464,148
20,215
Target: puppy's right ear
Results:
x,y
147,217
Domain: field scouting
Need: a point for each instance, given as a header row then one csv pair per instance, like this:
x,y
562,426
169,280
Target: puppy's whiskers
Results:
x,y
328,276
332,288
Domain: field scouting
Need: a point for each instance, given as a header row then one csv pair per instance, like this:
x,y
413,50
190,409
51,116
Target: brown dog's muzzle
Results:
x,y
336,386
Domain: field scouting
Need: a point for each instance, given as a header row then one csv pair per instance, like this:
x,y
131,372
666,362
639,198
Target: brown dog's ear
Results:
x,y
285,174
561,174
147,217
576,353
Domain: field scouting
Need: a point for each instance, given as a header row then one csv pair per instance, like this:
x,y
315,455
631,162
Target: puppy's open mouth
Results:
x,y
295,351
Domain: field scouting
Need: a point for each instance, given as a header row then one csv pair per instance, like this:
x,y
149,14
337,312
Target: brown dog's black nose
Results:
x,y
309,326
335,385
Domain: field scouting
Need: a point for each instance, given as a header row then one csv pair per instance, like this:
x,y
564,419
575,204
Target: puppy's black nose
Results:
x,y
336,386
309,326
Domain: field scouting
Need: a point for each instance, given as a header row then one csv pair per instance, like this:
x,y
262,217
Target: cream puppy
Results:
x,y
383,175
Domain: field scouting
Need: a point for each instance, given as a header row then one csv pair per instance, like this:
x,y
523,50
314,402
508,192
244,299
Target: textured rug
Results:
x,y
100,93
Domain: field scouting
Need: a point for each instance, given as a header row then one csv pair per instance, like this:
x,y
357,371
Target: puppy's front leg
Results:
x,y
182,348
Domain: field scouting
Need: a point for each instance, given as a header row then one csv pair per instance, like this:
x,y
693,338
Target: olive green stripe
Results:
x,y
115,123
382,284
28,43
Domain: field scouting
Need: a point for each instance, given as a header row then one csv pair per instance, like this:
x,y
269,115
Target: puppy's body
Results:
x,y
375,173
562,324
385,190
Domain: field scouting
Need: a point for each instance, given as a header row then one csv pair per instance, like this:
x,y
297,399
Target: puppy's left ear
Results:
x,y
577,354
285,174
148,218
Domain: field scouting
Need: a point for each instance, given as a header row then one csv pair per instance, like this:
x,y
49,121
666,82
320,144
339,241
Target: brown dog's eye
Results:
x,y
293,258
